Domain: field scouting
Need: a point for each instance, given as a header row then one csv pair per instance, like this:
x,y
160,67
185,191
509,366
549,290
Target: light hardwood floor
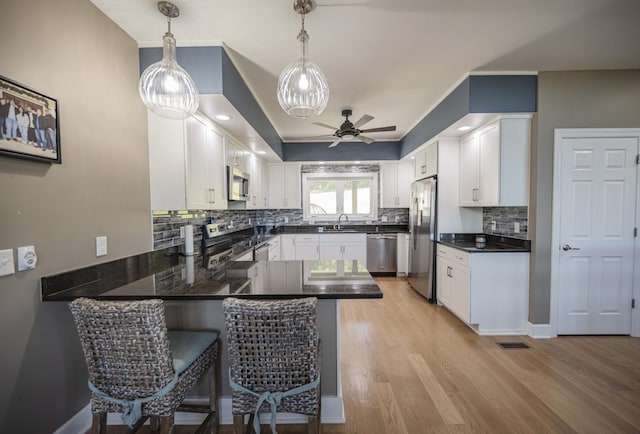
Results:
x,y
411,367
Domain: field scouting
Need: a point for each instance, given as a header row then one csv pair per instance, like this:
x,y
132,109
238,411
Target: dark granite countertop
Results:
x,y
169,275
494,244
346,228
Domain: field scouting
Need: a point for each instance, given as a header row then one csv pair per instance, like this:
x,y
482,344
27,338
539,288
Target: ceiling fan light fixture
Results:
x,y
302,90
165,87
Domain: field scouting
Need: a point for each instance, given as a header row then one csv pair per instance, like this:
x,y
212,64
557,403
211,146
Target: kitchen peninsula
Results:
x,y
193,288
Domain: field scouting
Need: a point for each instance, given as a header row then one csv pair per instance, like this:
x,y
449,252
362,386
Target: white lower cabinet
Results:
x,y
287,247
274,249
343,246
488,290
323,246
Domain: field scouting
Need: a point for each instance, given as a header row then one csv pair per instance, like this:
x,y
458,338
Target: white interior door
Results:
x,y
595,263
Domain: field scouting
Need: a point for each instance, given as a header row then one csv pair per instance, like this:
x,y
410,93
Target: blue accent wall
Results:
x,y
204,65
450,109
214,73
345,151
503,93
238,94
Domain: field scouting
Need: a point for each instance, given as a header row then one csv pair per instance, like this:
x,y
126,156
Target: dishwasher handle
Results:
x,y
382,237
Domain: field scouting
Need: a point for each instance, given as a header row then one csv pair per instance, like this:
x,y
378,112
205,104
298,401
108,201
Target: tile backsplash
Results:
x,y
166,225
505,217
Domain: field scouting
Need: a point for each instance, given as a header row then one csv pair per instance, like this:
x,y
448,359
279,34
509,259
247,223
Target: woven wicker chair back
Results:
x,y
273,346
125,346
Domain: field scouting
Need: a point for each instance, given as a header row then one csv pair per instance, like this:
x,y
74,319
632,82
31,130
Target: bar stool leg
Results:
x,y
99,423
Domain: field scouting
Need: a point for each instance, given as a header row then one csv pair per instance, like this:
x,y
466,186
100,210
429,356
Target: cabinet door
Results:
x,y
389,182
276,186
489,167
307,251
264,194
403,185
355,251
431,159
461,296
469,171
216,170
254,167
330,251
293,184
287,247
420,165
167,163
444,281
199,196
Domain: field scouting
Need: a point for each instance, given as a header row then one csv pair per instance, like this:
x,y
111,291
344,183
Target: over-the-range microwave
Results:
x,y
238,182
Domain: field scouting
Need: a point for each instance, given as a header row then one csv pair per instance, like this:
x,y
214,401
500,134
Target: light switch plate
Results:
x,y
7,265
101,246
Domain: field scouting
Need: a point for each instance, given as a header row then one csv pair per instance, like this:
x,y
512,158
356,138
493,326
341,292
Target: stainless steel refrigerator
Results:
x,y
422,240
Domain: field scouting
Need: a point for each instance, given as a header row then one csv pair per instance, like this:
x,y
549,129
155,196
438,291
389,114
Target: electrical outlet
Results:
x,y
27,258
516,227
286,219
101,246
7,266
493,225
384,219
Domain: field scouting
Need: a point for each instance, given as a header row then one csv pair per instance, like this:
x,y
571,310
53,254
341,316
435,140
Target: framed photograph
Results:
x,y
29,123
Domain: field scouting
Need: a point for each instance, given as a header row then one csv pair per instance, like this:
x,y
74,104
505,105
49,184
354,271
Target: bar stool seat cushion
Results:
x,y
187,346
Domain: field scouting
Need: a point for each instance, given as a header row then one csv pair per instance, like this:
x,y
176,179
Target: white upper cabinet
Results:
x,y
186,164
284,186
205,174
395,181
494,164
236,156
426,162
255,167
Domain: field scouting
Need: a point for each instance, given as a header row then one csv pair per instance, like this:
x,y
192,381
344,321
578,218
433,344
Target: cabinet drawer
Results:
x,y
340,238
307,238
454,255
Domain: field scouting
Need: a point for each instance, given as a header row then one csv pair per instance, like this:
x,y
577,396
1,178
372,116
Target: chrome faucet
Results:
x,y
340,218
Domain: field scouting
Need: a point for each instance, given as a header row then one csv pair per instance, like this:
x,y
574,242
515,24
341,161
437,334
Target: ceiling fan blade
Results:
x,y
326,126
334,144
379,130
367,140
363,120
328,136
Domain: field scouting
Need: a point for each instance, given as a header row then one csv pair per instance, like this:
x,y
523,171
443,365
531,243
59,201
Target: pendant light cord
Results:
x,y
303,36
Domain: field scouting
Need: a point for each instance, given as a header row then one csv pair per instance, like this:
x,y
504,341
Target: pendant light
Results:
x,y
165,88
303,91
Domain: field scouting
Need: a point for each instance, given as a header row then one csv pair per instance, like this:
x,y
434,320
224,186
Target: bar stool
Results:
x,y
274,360
139,368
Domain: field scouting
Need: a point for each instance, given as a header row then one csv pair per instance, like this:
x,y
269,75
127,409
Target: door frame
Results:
x,y
559,135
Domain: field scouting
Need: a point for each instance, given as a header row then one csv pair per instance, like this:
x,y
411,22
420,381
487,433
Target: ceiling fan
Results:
x,y
352,131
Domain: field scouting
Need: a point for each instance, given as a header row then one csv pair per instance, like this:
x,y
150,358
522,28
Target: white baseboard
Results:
x,y
540,331
332,412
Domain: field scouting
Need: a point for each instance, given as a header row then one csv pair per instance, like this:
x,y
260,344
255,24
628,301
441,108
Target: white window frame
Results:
x,y
372,176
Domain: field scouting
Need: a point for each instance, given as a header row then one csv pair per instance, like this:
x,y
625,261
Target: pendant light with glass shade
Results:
x,y
303,91
165,88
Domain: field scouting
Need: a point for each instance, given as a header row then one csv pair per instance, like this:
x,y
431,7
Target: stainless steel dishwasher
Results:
x,y
382,253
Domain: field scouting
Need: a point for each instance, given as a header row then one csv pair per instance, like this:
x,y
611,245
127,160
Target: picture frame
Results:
x,y
29,123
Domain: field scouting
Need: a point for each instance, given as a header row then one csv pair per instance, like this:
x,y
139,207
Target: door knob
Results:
x,y
567,247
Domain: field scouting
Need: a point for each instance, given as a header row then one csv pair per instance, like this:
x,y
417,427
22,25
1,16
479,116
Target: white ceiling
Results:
x,y
393,59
